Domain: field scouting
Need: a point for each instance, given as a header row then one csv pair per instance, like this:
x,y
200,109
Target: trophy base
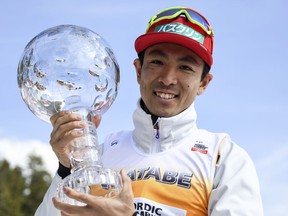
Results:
x,y
94,180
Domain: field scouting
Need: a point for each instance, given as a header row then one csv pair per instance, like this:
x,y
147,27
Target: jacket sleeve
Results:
x,y
46,208
236,188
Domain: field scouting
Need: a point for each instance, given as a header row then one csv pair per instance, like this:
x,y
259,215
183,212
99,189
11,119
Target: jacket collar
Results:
x,y
170,130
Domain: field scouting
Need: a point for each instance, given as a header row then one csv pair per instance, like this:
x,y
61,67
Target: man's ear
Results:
x,y
137,66
204,83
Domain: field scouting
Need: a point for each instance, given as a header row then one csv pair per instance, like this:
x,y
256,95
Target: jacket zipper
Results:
x,y
156,147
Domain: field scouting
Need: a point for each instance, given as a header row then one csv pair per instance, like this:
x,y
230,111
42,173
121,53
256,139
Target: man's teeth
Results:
x,y
165,96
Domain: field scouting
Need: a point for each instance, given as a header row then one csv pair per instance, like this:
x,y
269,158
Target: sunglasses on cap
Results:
x,y
174,12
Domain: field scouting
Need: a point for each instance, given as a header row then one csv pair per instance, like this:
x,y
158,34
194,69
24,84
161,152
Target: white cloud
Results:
x,y
16,152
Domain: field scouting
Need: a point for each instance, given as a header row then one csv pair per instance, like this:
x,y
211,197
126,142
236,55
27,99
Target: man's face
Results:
x,y
170,78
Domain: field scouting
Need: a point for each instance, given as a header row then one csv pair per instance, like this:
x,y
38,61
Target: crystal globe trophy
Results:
x,y
69,67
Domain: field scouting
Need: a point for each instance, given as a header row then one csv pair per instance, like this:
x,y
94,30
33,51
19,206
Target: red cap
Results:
x,y
178,31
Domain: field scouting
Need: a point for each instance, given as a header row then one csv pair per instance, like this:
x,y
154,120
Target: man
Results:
x,y
174,167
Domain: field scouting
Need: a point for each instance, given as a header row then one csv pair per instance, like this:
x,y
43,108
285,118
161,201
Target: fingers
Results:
x,y
89,199
66,209
64,125
54,118
58,204
96,120
86,199
118,205
81,197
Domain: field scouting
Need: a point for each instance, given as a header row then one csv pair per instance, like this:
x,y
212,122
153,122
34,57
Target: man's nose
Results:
x,y
168,76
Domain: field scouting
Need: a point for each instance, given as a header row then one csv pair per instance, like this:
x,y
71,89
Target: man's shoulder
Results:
x,y
117,137
211,136
226,144
119,134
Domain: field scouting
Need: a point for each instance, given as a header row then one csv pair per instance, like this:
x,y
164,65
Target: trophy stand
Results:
x,y
87,173
69,67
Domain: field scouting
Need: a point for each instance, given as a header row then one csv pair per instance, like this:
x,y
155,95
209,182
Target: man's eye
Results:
x,y
156,62
186,68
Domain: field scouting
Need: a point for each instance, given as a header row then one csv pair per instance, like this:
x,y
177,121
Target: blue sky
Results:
x,y
247,97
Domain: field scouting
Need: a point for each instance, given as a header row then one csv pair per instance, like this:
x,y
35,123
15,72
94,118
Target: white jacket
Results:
x,y
178,169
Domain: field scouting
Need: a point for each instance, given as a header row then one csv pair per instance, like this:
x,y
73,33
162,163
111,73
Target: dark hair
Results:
x,y
206,68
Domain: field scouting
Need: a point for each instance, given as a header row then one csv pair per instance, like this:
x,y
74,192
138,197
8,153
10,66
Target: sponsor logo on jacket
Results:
x,y
181,179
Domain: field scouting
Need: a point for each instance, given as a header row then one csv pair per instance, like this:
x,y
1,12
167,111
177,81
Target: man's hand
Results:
x,y
64,124
121,205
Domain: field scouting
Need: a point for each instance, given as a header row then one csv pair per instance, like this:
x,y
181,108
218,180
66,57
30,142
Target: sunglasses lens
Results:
x,y
199,19
193,15
167,13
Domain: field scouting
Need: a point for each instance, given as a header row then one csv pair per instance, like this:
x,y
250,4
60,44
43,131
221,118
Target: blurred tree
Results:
x,y
21,191
12,185
38,181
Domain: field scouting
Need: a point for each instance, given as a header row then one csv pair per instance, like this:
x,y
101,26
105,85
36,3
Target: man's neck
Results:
x,y
153,117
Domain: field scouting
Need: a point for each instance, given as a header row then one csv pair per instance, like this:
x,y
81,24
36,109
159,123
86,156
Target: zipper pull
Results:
x,y
156,127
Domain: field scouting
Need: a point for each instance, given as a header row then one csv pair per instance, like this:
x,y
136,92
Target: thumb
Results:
x,y
127,183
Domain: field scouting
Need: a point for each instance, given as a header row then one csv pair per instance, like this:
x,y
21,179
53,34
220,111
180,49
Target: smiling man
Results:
x,y
170,77
174,168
